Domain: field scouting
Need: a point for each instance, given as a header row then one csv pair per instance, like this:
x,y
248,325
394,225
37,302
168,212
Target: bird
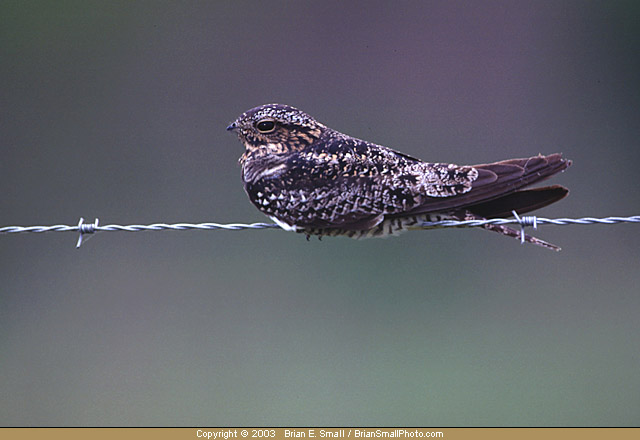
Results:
x,y
314,180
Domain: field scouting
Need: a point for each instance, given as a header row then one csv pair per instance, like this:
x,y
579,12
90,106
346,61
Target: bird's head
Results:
x,y
277,127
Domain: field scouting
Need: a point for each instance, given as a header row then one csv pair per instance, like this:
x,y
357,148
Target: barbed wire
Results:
x,y
90,228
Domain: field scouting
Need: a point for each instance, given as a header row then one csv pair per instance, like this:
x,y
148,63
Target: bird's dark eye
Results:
x,y
266,126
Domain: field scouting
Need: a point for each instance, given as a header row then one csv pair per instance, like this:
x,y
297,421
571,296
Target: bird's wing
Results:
x,y
498,179
353,184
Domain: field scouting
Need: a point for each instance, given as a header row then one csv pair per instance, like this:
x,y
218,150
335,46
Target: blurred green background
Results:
x,y
118,110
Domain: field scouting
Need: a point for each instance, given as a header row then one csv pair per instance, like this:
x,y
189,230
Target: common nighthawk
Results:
x,y
312,179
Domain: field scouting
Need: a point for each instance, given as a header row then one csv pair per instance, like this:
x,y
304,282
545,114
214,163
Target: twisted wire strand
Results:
x,y
90,228
531,220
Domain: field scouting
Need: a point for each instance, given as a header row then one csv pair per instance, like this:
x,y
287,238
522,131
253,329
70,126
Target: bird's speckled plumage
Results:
x,y
312,179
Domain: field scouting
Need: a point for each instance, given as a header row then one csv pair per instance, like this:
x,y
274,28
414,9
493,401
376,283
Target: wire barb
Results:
x,y
85,228
528,220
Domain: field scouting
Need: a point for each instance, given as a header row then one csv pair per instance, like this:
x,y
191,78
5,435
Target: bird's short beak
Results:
x,y
232,126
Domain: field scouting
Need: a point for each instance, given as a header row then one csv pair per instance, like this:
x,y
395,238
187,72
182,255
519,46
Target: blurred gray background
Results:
x,y
118,110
